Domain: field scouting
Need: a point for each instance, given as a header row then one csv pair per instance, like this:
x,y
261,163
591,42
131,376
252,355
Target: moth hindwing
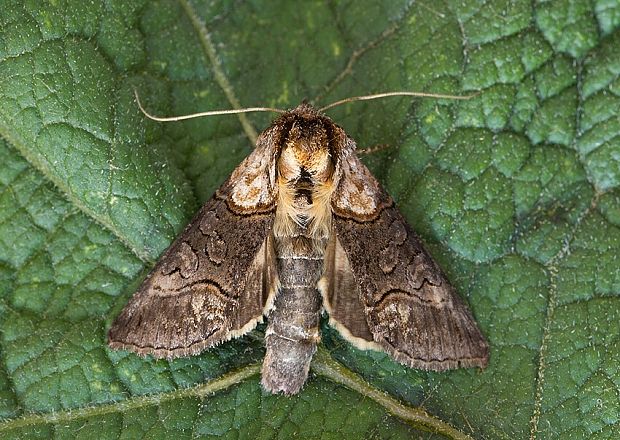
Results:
x,y
299,226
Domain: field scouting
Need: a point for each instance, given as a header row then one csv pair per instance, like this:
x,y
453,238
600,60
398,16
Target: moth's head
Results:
x,y
309,145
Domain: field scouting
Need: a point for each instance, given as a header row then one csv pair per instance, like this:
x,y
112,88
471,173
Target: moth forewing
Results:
x,y
213,283
300,226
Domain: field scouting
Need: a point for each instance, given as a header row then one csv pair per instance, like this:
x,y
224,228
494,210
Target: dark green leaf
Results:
x,y
516,192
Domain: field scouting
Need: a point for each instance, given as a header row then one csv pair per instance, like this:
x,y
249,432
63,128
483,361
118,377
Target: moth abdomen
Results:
x,y
293,330
291,338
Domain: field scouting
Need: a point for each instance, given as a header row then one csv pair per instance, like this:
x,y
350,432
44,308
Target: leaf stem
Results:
x,y
326,366
201,390
218,71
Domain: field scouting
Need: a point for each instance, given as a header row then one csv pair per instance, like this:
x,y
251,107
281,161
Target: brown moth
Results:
x,y
299,227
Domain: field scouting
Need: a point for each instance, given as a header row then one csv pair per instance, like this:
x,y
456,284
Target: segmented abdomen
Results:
x,y
293,330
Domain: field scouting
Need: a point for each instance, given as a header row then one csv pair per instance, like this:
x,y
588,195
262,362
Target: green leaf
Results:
x,y
516,193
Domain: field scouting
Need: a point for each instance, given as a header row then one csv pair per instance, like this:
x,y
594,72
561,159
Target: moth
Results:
x,y
301,226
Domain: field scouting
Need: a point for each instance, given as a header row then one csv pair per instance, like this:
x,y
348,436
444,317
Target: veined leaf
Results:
x,y
515,191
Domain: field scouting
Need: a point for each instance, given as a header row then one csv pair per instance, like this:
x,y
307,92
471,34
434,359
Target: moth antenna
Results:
x,y
209,113
388,94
